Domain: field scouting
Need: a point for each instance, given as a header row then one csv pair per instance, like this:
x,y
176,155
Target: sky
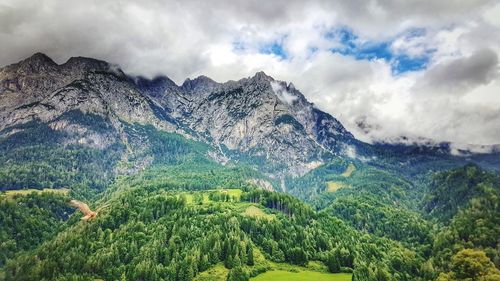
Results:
x,y
387,69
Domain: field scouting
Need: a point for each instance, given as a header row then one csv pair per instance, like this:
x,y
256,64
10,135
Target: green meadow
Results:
x,y
278,275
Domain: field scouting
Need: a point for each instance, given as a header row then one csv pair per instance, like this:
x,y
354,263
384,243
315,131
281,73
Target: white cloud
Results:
x,y
282,93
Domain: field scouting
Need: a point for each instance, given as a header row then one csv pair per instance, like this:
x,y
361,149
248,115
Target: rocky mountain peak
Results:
x,y
84,64
155,87
262,76
40,57
163,80
256,116
200,82
37,63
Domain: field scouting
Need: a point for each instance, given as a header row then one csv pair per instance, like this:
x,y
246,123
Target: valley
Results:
x,y
223,181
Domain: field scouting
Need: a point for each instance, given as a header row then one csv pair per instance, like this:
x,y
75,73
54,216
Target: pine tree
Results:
x,y
332,262
250,261
237,274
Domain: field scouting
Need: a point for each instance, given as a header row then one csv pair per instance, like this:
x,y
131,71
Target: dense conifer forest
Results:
x,y
186,216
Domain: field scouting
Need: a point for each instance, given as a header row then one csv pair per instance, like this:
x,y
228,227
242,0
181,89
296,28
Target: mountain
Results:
x,y
256,120
37,89
91,102
224,181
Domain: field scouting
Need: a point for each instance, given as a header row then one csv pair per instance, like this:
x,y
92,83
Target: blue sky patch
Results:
x,y
404,64
270,48
274,48
351,45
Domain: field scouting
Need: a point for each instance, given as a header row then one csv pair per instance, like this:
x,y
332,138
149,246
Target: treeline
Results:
x,y
141,238
165,148
440,216
54,167
382,185
447,192
471,238
379,226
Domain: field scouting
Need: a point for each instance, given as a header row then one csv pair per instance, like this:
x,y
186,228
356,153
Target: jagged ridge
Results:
x,y
252,117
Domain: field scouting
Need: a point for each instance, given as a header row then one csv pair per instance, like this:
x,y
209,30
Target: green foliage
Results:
x,y
32,156
176,214
165,148
126,238
237,274
380,184
470,264
368,214
450,191
53,167
28,220
476,225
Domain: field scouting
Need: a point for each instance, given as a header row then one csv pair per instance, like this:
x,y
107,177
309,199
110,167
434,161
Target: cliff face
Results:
x,y
256,117
37,89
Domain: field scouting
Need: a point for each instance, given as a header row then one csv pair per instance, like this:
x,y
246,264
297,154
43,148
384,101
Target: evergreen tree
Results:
x,y
237,274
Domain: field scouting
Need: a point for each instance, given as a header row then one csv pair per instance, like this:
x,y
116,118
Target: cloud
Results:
x,y
418,68
459,75
283,94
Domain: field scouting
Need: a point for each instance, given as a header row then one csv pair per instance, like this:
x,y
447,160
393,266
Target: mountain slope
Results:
x,y
39,89
256,116
176,171
63,118
155,234
87,104
256,120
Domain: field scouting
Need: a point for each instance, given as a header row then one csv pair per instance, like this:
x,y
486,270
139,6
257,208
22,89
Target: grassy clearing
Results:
x,y
256,212
190,196
23,192
218,272
350,169
332,186
233,192
317,266
305,275
316,271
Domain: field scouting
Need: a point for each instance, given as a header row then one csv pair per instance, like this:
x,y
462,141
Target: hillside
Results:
x,y
84,114
223,181
190,232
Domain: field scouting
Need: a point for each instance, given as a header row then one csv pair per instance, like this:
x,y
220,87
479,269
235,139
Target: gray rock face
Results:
x,y
255,117
39,89
258,116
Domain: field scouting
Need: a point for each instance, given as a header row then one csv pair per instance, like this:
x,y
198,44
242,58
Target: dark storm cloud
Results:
x,y
461,74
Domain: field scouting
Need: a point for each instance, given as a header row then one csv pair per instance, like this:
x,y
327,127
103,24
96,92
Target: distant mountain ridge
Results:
x,y
257,116
260,120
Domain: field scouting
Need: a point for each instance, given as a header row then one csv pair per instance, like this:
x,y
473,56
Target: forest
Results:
x,y
187,217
